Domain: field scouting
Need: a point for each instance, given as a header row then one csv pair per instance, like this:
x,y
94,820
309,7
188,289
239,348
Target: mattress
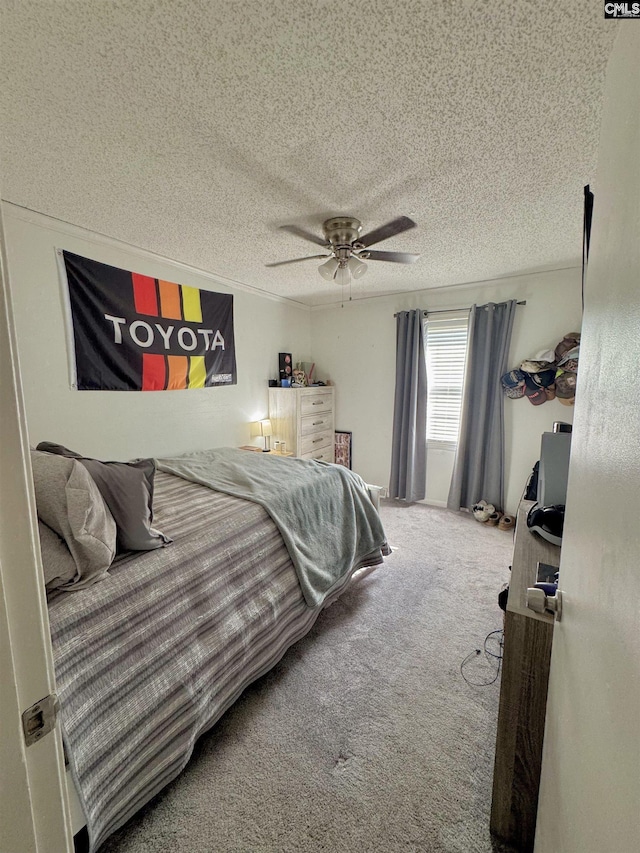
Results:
x,y
150,658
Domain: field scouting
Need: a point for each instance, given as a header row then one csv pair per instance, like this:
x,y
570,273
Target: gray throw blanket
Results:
x,y
323,511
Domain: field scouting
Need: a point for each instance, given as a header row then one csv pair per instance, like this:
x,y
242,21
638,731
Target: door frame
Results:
x,y
34,805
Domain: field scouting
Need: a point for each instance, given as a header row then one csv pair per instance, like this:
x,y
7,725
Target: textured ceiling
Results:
x,y
195,128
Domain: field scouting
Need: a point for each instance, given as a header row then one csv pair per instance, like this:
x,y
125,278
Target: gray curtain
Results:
x,y
478,471
409,451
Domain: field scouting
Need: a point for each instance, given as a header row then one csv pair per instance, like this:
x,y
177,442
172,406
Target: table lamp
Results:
x,y
263,428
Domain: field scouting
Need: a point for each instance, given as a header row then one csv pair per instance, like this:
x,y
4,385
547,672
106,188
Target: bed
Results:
x,y
151,651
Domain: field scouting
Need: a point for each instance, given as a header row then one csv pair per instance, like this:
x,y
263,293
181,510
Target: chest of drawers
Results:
x,y
304,419
528,638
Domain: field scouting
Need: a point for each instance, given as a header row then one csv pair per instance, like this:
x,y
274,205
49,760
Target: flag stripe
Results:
x,y
178,369
154,373
191,304
170,306
197,371
144,294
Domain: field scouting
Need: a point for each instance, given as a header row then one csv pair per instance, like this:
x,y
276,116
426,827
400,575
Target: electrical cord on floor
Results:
x,y
491,656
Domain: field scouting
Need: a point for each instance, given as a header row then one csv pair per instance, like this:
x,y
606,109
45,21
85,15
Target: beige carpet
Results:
x,y
365,737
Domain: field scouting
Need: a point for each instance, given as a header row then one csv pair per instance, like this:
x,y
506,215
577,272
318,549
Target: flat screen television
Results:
x,y
553,471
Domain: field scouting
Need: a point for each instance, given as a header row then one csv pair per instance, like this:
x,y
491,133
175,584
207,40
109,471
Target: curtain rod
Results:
x,y
452,310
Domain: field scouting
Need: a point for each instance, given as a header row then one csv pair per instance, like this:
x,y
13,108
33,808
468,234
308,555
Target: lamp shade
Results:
x,y
343,276
262,428
356,267
328,269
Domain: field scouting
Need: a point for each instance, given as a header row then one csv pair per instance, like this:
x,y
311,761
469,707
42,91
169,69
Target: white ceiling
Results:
x,y
195,128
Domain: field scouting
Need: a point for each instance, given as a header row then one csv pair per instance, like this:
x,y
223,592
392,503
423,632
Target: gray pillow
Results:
x,y
127,488
68,502
59,566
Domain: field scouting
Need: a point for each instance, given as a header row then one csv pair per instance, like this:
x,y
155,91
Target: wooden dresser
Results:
x,y
304,418
523,693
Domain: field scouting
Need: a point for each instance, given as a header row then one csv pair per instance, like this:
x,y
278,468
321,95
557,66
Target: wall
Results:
x,y
122,425
355,346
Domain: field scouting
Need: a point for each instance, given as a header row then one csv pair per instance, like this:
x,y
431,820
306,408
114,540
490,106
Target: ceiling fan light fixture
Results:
x,y
348,249
328,269
356,267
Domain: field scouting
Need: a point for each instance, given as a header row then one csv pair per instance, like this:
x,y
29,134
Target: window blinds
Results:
x,y
446,345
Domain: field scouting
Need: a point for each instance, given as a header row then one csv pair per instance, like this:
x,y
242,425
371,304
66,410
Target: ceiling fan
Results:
x,y
347,249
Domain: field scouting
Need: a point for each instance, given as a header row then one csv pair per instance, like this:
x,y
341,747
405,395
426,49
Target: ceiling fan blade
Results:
x,y
396,257
306,235
295,260
396,226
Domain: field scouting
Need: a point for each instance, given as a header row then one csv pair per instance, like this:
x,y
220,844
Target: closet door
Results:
x,y
33,804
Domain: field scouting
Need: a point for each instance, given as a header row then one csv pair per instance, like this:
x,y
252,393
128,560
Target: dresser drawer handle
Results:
x,y
316,440
318,403
319,456
315,423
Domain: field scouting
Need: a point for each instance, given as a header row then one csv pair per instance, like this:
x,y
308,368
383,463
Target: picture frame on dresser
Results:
x,y
344,445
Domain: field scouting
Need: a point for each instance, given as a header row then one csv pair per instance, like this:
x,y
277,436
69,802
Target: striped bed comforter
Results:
x,y
150,658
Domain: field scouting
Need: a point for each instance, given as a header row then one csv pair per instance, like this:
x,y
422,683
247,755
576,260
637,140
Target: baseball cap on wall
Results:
x,y
513,383
567,401
569,360
545,355
544,378
570,340
566,381
536,396
531,365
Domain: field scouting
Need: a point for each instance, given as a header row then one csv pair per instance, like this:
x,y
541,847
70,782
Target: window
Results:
x,y
446,345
